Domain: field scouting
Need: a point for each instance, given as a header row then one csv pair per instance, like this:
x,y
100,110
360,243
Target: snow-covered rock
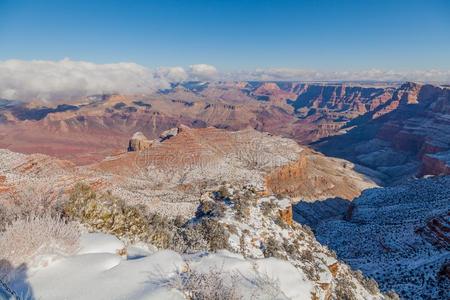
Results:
x,y
399,236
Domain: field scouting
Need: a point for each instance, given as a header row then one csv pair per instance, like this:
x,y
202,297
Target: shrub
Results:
x,y
290,248
307,256
266,287
30,201
191,240
223,192
215,234
391,295
5,217
242,245
162,232
280,222
272,248
106,213
267,207
34,200
370,284
24,240
211,208
242,208
205,286
344,290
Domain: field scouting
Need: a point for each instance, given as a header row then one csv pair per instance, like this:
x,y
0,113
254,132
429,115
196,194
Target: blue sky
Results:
x,y
232,35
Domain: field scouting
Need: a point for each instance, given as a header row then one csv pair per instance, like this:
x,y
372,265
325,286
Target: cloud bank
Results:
x,y
67,79
369,75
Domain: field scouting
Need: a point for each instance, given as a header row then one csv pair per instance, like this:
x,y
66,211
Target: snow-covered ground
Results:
x,y
102,270
390,235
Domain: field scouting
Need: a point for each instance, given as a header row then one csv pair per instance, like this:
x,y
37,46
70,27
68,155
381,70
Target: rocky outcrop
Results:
x,y
165,135
285,211
314,177
436,164
139,142
437,231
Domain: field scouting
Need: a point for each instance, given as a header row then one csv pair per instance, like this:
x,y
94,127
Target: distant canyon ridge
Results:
x,y
391,131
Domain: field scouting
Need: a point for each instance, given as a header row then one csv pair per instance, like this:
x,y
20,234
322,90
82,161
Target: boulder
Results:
x,y
165,135
139,142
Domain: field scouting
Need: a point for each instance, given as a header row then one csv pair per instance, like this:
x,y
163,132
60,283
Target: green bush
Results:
x,y
106,213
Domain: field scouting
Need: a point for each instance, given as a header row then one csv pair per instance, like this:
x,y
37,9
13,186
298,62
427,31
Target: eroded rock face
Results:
x,y
314,177
285,211
412,139
139,142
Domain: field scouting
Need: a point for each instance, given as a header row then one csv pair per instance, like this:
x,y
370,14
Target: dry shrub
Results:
x,y
267,207
34,200
253,155
214,233
24,240
242,207
265,287
273,249
206,286
391,295
345,289
211,208
5,217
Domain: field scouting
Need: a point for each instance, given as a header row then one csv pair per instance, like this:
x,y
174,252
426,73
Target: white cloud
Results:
x,y
68,79
203,72
372,74
171,74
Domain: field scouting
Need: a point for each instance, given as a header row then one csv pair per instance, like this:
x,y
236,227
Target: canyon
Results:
x,y
341,158
390,130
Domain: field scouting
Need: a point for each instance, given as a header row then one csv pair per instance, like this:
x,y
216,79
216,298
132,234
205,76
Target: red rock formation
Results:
x,y
285,211
413,124
313,176
305,112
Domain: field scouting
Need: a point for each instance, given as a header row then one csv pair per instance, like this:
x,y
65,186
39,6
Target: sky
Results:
x,y
259,39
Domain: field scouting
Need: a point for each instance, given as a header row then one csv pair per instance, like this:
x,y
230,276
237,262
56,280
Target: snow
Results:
x,y
383,236
100,243
98,272
293,283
